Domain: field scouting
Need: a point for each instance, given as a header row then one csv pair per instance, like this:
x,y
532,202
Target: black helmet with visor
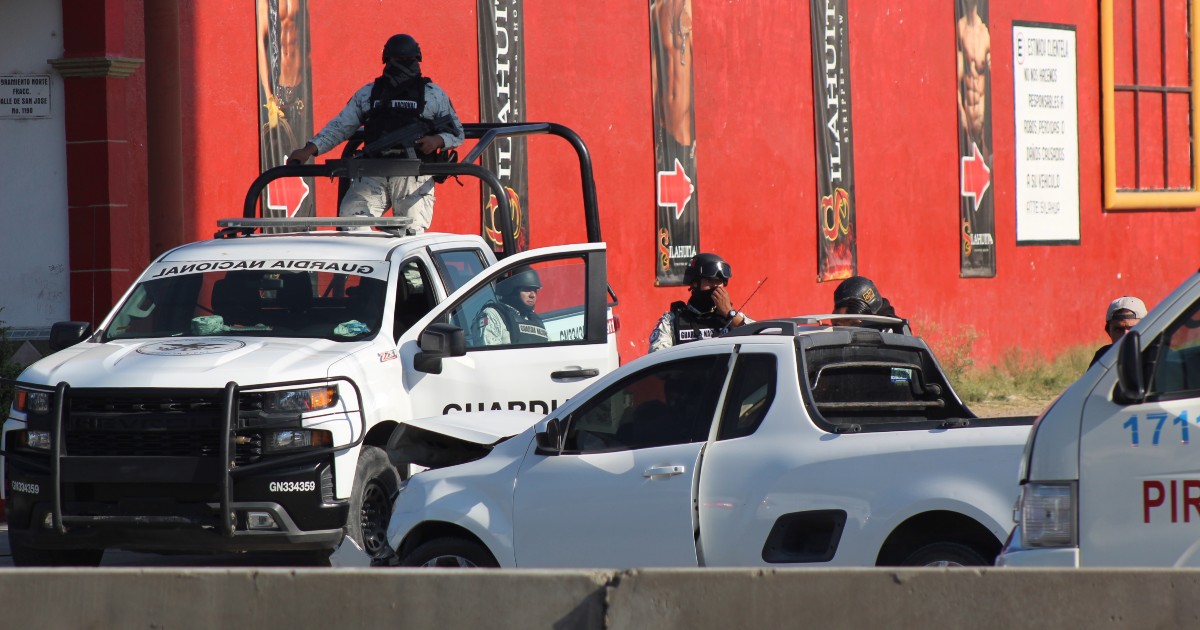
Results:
x,y
707,266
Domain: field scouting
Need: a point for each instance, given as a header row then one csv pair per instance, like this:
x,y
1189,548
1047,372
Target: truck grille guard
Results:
x,y
230,469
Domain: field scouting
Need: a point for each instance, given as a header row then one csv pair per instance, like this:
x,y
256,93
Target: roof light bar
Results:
x,y
391,225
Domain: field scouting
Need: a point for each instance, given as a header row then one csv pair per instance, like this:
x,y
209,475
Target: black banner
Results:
x,y
837,240
285,101
677,217
977,211
502,99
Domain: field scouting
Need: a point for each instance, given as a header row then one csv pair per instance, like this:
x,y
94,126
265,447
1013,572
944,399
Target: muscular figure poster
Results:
x,y
837,238
977,217
502,99
285,101
677,221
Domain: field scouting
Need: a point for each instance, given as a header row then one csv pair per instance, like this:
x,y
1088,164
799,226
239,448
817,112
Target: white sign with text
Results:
x,y
25,96
1045,105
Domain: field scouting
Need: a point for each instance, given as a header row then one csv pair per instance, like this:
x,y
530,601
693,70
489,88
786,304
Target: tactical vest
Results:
x,y
693,326
393,106
522,329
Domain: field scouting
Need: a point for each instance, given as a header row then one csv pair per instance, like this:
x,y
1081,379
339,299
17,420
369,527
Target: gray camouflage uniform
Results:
x,y
371,196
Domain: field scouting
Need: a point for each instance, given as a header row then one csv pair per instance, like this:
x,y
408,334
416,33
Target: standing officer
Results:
x,y
400,97
708,312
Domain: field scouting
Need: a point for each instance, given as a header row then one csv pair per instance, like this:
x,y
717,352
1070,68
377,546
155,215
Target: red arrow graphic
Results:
x,y
286,194
974,176
675,188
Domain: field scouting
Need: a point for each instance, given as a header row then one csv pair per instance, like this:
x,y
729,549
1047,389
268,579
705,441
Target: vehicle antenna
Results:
x,y
747,300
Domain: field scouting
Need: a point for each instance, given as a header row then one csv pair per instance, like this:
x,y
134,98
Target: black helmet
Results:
x,y
521,278
859,295
707,266
401,46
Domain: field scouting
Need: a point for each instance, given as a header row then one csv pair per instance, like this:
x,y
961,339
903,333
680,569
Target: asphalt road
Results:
x,y
117,558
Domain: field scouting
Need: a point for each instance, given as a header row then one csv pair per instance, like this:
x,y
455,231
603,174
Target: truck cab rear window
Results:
x,y
854,389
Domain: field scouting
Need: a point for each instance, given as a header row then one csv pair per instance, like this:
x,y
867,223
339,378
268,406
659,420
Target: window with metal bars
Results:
x,y
1148,60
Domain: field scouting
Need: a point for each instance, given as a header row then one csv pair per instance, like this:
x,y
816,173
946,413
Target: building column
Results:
x,y
105,109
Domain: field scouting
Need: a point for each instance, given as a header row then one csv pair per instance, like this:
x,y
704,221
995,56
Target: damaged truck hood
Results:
x,y
456,438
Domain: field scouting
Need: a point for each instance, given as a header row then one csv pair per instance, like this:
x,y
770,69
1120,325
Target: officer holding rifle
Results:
x,y
409,114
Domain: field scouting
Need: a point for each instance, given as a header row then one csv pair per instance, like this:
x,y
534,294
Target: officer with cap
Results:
x,y
511,319
1123,314
858,295
398,98
708,312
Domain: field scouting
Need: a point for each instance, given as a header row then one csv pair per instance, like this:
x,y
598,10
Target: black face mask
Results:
x,y
400,71
702,301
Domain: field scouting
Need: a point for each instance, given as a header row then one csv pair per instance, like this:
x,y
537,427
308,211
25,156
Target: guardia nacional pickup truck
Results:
x,y
239,395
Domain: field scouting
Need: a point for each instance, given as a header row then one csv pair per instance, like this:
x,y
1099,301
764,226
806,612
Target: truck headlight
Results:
x,y
294,439
32,401
39,440
1047,514
300,400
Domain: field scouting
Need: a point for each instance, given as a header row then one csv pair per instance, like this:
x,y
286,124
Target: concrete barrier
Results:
x,y
979,599
660,599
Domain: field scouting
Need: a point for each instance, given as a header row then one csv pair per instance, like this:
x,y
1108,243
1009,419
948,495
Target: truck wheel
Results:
x,y
29,557
375,484
455,553
945,554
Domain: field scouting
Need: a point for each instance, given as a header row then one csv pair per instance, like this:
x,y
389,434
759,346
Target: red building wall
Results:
x,y
588,67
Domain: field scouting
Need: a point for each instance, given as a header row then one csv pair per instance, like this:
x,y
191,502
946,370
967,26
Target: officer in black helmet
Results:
x,y
398,98
709,312
858,295
511,318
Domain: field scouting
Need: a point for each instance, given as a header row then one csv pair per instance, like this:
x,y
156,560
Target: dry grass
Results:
x,y
1021,383
1024,375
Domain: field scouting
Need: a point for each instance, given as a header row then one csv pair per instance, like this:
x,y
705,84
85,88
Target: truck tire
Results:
x,y
945,554
375,485
454,553
29,557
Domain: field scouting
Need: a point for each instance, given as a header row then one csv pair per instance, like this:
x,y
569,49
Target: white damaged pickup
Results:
x,y
790,444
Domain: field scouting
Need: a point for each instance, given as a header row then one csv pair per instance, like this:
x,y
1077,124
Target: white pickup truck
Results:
x,y
239,395
1109,476
784,443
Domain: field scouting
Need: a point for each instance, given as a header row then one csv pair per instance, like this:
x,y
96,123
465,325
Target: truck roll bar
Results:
x,y
353,164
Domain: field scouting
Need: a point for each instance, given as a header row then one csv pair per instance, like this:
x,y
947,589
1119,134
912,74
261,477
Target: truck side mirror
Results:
x,y
1131,387
66,334
437,342
549,438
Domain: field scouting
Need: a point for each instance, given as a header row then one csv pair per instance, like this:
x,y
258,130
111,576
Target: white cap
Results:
x,y
1126,303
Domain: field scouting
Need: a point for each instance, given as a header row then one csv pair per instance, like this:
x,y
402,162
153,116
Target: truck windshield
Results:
x,y
345,304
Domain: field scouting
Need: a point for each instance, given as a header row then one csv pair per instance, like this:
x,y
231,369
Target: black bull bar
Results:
x,y
228,469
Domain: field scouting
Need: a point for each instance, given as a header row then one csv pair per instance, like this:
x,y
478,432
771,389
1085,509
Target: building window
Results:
x,y
1149,66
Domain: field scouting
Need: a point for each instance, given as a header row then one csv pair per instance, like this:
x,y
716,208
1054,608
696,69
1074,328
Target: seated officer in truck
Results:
x,y
511,319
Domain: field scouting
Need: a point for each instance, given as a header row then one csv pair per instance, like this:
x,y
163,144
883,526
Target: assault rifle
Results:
x,y
405,138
